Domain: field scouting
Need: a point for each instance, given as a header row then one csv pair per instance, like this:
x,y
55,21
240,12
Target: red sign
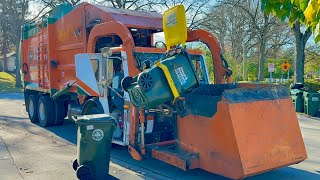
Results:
x,y
285,66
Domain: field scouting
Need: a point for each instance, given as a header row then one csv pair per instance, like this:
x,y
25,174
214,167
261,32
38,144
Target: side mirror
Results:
x,y
106,52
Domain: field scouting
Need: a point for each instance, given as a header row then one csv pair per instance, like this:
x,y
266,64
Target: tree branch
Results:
x,y
39,13
306,36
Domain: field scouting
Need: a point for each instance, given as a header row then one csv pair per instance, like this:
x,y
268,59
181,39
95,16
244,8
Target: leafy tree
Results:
x,y
305,12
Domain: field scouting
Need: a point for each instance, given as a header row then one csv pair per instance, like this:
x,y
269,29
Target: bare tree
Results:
x,y
54,3
244,30
261,24
15,12
217,23
194,8
5,29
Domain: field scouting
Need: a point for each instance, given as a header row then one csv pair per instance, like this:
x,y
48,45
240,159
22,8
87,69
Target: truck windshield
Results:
x,y
197,61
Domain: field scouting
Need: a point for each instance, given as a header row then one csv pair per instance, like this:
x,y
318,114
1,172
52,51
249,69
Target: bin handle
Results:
x,y
74,118
169,80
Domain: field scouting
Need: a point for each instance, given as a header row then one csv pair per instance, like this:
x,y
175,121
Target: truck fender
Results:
x,y
93,102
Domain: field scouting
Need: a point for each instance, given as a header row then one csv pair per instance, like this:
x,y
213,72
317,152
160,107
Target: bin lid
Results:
x,y
296,91
95,118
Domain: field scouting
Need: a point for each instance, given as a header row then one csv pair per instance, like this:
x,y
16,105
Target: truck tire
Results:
x,y
26,98
60,113
32,108
46,111
92,106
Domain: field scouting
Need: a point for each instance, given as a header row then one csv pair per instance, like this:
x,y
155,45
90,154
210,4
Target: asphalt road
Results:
x,y
28,151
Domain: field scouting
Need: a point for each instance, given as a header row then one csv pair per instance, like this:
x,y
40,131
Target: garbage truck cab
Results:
x,y
102,82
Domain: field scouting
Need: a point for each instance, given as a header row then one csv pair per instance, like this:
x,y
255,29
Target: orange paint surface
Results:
x,y
244,139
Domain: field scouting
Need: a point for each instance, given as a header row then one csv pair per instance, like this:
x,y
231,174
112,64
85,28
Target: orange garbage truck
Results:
x,y
76,60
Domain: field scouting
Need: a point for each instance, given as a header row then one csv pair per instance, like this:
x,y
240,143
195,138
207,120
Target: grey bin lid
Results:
x,y
94,119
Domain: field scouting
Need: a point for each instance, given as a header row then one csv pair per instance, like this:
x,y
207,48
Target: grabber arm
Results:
x,y
221,70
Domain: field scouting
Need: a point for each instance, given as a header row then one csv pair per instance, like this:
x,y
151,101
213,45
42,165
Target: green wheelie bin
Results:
x,y
297,99
94,140
311,103
163,82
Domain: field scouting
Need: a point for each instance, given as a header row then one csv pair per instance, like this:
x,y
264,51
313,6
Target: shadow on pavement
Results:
x,y
68,131
286,173
11,96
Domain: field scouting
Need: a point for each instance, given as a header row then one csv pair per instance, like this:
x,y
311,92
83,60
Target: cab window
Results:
x,y
198,64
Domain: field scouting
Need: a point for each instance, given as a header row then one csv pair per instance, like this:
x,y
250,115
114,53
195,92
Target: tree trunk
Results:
x,y
5,52
262,58
299,61
244,63
300,43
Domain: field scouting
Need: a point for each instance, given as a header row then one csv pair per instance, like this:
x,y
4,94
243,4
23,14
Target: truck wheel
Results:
x,y
60,113
46,111
32,108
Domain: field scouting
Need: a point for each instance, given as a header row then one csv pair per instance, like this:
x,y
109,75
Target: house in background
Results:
x,y
11,57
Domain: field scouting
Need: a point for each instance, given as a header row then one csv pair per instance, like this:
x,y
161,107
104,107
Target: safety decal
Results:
x,y
171,20
97,135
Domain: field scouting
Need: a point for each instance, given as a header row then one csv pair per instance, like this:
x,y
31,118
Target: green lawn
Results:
x,y
7,83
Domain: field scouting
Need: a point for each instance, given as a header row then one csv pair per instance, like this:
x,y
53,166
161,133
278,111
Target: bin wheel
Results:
x,y
145,81
126,82
75,164
84,172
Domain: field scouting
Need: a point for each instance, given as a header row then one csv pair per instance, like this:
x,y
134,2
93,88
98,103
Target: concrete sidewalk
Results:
x,y
25,156
8,169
